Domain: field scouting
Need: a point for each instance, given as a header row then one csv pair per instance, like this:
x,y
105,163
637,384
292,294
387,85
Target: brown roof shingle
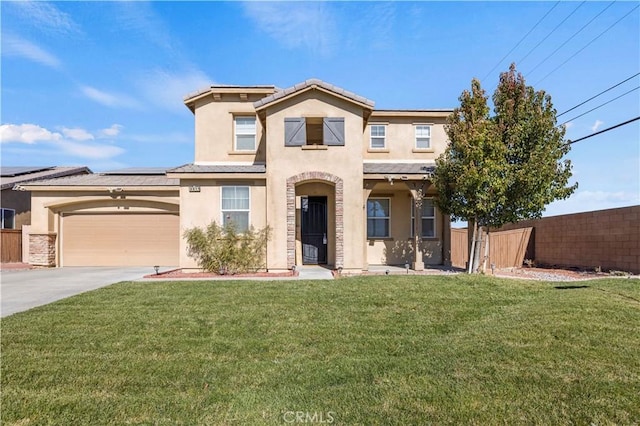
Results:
x,y
197,168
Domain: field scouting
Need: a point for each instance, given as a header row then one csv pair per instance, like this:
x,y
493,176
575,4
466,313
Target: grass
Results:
x,y
369,350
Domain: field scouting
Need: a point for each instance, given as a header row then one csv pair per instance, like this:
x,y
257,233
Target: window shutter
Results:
x,y
295,131
333,131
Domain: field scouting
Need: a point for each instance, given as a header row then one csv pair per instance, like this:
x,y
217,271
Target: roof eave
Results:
x,y
261,107
111,188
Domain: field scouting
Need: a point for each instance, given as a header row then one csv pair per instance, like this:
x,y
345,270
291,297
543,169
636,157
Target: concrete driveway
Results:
x,y
21,290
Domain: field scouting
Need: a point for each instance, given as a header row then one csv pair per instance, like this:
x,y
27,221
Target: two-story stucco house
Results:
x,y
339,182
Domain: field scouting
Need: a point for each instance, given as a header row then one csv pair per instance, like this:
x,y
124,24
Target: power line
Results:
x,y
521,40
552,31
601,105
586,45
593,97
604,130
571,38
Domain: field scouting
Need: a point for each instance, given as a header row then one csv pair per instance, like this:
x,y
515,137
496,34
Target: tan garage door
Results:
x,y
122,239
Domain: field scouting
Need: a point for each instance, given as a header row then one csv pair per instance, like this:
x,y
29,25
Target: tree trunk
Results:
x,y
486,251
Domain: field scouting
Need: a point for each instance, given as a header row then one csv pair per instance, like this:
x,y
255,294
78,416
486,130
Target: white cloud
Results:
x,y
77,134
91,151
141,20
27,133
110,132
112,100
596,125
166,89
72,141
45,16
16,46
296,24
568,125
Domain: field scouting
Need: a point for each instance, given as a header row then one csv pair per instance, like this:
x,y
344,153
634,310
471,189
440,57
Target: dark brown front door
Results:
x,y
314,230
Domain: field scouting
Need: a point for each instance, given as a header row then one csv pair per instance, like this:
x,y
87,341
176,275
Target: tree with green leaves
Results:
x,y
506,167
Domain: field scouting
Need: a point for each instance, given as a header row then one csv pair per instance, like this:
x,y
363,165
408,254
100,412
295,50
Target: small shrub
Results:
x,y
224,250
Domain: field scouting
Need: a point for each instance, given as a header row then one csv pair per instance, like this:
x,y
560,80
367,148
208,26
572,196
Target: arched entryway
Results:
x,y
334,214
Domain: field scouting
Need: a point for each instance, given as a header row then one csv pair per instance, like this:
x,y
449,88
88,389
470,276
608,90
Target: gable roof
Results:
x,y
12,176
313,84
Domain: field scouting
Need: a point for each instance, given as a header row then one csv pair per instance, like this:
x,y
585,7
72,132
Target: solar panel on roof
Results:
x,y
14,171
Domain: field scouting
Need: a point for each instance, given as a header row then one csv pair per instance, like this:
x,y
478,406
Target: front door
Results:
x,y
314,230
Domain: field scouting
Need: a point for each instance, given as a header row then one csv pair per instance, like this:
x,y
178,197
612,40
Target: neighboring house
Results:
x,y
338,182
16,205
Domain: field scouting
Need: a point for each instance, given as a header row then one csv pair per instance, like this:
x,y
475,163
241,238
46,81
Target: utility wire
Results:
x,y
593,97
549,35
599,106
586,45
604,130
571,38
521,40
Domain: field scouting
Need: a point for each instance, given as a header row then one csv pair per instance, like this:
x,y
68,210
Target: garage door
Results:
x,y
122,239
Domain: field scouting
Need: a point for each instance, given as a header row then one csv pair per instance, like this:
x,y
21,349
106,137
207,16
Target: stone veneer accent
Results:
x,y
291,213
42,249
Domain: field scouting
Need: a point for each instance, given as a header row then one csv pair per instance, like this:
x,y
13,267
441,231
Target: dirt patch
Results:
x,y
548,274
179,273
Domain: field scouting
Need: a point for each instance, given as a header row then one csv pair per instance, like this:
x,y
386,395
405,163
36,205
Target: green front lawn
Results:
x,y
400,350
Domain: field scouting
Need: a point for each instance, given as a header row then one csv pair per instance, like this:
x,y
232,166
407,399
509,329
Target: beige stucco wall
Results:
x,y
214,129
345,162
201,208
400,138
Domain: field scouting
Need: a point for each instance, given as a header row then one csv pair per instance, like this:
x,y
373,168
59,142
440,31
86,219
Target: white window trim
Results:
x,y
388,218
236,133
415,135
2,218
222,211
434,217
384,138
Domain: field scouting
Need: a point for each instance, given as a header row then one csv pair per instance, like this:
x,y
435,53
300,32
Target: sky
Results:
x,y
102,84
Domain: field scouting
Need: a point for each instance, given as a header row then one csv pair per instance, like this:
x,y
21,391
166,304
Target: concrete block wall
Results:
x,y
609,239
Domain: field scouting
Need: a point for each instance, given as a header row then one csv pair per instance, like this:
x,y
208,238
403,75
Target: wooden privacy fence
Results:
x,y
506,248
11,245
459,247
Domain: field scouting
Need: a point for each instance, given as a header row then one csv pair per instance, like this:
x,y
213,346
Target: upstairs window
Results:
x,y
423,136
245,133
428,218
8,218
235,207
378,136
299,131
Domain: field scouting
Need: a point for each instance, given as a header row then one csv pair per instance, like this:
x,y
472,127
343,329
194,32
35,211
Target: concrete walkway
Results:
x,y
314,272
21,290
